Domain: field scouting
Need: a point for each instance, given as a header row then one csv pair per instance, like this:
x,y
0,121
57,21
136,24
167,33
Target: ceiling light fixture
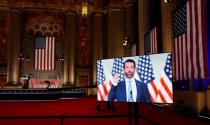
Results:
x,y
84,9
167,1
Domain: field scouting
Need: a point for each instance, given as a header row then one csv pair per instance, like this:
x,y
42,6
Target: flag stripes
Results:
x,y
145,72
160,88
165,90
153,38
165,82
103,87
153,91
44,53
189,46
150,42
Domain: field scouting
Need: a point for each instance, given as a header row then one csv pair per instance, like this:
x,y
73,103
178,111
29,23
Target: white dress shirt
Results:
x,y
134,90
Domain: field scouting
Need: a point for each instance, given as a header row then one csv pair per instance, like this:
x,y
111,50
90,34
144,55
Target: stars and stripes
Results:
x,y
118,68
168,67
44,53
103,86
150,42
189,41
160,88
145,72
179,21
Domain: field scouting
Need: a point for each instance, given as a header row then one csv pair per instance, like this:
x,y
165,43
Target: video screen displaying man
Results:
x,y
130,89
145,78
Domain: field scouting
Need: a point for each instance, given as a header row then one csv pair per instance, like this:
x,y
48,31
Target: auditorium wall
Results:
x,y
192,101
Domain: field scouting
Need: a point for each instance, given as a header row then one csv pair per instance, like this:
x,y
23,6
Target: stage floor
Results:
x,y
81,111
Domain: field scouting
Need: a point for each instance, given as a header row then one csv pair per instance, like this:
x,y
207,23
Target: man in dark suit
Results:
x,y
129,90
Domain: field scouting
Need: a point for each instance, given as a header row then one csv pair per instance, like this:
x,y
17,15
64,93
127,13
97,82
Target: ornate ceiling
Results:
x,y
44,24
43,17
63,5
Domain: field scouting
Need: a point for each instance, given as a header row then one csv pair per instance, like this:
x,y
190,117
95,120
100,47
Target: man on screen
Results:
x,y
129,90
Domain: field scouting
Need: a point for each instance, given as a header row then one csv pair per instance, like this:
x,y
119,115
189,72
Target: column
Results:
x,y
167,34
131,23
69,48
141,26
97,41
115,31
14,46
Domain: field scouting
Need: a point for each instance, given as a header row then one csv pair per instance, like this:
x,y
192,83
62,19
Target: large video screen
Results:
x,y
145,78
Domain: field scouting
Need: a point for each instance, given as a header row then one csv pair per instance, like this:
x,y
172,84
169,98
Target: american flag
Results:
x,y
44,53
145,72
150,42
165,94
118,68
189,41
160,89
103,86
168,67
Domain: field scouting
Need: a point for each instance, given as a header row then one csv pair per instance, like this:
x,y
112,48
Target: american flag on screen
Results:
x,y
168,67
150,42
103,86
44,53
160,89
145,72
118,68
165,87
189,41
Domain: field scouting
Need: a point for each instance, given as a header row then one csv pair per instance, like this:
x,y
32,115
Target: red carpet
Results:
x,y
83,111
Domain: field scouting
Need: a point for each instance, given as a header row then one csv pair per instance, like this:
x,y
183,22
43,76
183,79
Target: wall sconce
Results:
x,y
60,58
21,56
127,41
28,58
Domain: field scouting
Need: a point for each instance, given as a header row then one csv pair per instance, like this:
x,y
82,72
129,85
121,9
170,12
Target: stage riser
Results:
x,y
42,94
